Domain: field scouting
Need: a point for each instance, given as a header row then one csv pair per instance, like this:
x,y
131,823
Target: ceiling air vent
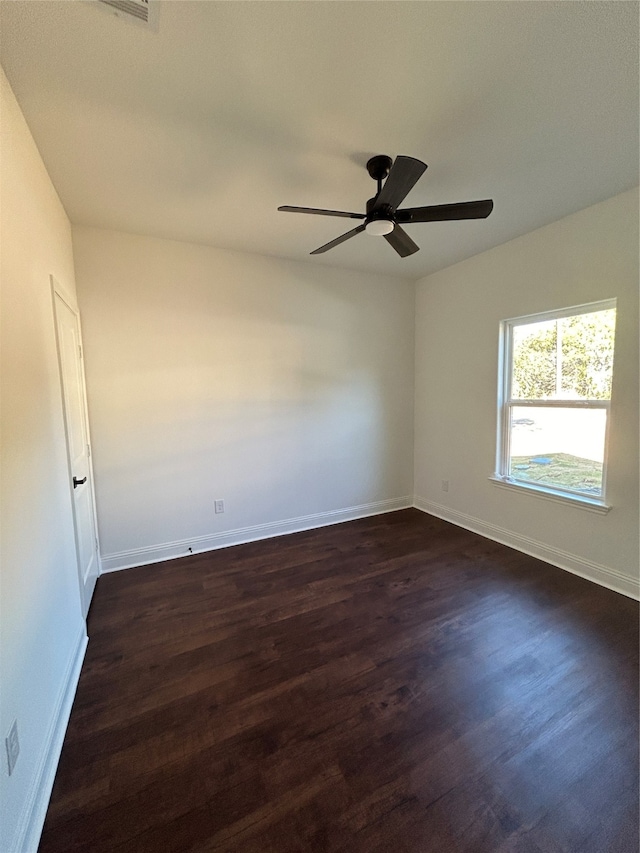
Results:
x,y
140,11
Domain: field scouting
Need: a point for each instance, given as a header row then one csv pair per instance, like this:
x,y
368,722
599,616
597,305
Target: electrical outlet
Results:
x,y
13,746
445,485
219,505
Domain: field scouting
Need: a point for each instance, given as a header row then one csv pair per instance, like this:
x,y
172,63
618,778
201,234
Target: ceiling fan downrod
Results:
x,y
379,168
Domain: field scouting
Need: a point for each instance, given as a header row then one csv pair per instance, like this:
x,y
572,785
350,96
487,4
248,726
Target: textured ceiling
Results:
x,y
199,130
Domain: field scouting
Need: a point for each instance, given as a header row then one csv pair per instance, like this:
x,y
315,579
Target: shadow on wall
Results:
x,y
272,385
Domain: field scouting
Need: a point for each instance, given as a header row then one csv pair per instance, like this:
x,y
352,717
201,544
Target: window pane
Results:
x,y
533,375
562,448
586,343
570,358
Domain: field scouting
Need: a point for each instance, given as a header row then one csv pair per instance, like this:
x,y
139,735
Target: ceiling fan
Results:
x,y
383,219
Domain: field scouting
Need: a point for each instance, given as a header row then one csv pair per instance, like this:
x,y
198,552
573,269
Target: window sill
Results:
x,y
579,501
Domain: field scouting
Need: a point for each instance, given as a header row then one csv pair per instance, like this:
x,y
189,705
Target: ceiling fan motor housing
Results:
x,y
379,220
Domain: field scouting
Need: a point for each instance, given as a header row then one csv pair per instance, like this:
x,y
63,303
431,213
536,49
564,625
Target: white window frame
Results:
x,y
506,403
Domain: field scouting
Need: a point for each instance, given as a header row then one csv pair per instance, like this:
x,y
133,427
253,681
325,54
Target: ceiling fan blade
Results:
x,y
403,176
338,240
401,242
440,212
288,209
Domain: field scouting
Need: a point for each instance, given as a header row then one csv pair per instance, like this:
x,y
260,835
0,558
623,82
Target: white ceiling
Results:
x,y
200,130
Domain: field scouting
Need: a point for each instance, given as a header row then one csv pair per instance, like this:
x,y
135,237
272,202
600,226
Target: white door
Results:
x,y
78,448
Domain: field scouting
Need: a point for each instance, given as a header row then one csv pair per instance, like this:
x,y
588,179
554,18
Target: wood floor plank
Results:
x,y
393,684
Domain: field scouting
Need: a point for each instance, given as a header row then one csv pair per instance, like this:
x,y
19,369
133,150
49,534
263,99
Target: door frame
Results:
x,y
58,290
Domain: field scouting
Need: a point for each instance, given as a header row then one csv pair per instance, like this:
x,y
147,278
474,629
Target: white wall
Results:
x,y
282,388
585,257
41,628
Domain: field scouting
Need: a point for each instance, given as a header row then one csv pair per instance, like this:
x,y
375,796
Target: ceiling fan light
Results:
x,y
379,227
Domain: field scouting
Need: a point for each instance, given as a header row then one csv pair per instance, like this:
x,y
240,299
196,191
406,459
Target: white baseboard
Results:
x,y
29,827
602,575
599,574
200,544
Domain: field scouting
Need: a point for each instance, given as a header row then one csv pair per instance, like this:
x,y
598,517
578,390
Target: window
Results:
x,y
553,402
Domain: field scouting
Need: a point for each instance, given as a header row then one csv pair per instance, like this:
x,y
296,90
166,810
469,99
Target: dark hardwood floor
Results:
x,y
391,684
